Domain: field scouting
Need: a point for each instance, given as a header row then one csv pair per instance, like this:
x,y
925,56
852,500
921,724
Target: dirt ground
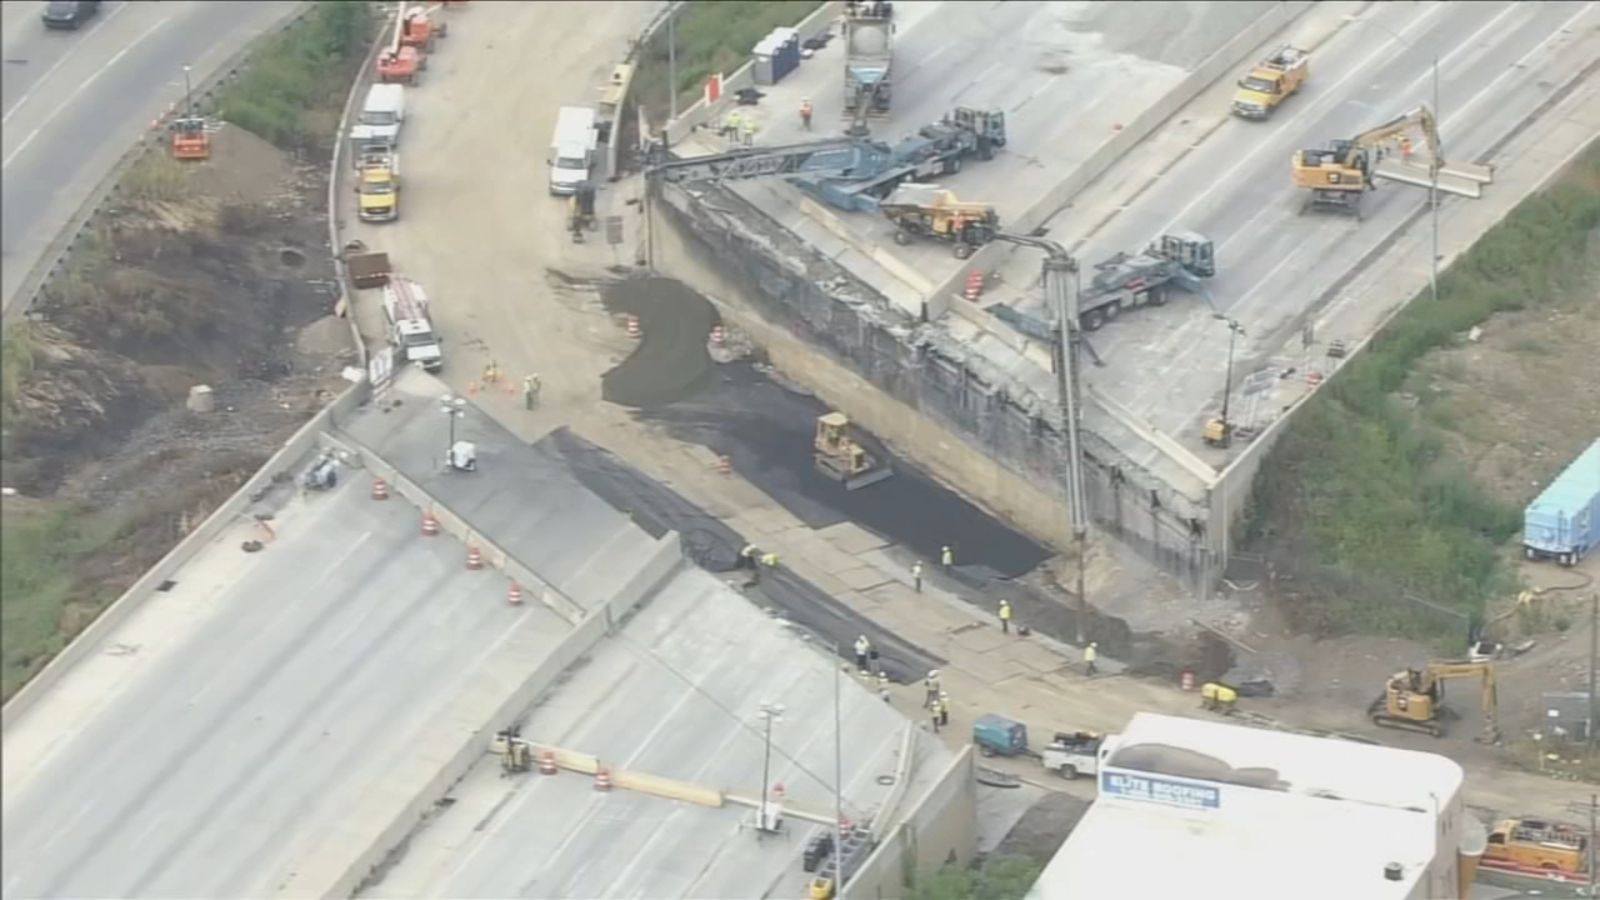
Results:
x,y
220,278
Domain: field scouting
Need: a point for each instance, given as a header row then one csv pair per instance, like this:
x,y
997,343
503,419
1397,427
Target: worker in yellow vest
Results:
x,y
1005,616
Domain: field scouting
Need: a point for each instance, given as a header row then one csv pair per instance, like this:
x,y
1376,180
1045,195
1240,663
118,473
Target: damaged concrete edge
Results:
x,y
344,306
281,464
902,778
1217,65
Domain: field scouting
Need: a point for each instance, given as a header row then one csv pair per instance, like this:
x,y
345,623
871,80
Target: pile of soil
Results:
x,y
671,362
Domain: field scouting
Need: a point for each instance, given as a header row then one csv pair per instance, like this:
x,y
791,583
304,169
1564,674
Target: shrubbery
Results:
x,y
287,83
1356,503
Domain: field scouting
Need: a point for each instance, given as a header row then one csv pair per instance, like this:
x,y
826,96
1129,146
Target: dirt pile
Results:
x,y
185,282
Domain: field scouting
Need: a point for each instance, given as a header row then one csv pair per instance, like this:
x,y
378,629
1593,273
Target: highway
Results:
x,y
75,101
255,715
1497,63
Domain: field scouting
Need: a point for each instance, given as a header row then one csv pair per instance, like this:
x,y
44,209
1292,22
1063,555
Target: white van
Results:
x,y
572,150
378,126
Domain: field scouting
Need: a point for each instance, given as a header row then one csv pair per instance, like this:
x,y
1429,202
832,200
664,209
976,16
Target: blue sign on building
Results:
x,y
1183,794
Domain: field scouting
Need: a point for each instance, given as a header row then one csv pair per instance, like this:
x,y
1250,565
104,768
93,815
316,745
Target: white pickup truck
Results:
x,y
1071,755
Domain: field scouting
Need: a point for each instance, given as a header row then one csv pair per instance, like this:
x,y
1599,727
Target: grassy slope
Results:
x,y
1357,503
713,36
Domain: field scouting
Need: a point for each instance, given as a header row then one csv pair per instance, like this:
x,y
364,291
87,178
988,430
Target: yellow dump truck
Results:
x,y
378,187
1271,82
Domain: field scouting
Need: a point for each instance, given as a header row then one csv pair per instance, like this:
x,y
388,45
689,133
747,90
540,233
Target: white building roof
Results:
x,y
1295,763
1128,850
1190,807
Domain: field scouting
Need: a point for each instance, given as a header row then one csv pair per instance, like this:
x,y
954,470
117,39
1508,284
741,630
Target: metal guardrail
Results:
x,y
55,256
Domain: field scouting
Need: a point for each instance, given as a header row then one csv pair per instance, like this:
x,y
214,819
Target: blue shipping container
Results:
x,y
1563,522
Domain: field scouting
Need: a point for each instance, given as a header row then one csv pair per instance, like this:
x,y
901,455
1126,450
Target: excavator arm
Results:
x,y
1421,117
1489,695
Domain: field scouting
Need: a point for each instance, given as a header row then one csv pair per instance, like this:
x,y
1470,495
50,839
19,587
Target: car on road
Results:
x,y
69,13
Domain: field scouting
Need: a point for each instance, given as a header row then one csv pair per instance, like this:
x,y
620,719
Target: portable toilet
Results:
x,y
763,53
785,52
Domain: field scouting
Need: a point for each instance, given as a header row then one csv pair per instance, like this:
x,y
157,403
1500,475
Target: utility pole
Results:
x,y
1061,286
838,779
1234,330
672,64
1594,656
770,712
1433,183
188,94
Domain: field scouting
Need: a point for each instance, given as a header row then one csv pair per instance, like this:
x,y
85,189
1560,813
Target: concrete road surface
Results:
x,y
1497,63
254,716
76,100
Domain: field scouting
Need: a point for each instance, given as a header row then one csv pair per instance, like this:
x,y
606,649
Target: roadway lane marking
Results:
x,y
86,82
1263,146
20,147
64,57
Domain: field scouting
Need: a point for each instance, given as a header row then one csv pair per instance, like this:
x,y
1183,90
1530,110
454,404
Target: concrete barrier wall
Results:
x,y
454,525
666,558
701,112
472,748
284,461
1215,66
337,171
943,830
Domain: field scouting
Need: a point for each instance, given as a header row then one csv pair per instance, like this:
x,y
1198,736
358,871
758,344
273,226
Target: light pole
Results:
x,y
1234,330
770,712
1433,163
188,94
453,408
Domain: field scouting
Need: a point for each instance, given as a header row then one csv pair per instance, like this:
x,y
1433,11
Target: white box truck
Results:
x,y
377,128
572,150
410,327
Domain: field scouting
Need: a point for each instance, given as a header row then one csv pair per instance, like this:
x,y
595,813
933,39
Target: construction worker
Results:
x,y
916,576
730,126
747,556
1089,656
530,391
1405,149
1005,616
883,682
930,687
770,560
805,113
749,131
944,708
947,557
933,714
863,647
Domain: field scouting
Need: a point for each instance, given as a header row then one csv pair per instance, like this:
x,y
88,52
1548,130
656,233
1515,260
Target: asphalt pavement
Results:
x,y
76,101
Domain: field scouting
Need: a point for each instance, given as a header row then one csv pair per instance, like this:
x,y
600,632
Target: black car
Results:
x,y
69,13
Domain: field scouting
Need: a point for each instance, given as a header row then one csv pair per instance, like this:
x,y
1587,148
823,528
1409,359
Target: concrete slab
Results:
x,y
676,694
863,578
852,538
985,640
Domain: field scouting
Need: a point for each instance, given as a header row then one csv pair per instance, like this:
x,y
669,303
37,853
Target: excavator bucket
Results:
x,y
869,478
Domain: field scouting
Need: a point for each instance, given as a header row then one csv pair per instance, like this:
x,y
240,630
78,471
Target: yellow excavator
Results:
x,y
1413,699
840,458
1338,175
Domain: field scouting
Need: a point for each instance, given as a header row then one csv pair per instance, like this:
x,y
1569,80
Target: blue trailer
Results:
x,y
1563,522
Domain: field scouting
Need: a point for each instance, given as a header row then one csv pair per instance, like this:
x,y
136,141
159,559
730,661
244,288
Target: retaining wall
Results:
x,y
943,830
239,505
930,397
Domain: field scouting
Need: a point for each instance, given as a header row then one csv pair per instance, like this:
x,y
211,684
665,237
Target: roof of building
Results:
x,y
1335,855
1294,763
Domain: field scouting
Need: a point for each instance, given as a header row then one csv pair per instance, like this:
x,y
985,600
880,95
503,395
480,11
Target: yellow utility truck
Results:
x,y
378,187
1271,82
